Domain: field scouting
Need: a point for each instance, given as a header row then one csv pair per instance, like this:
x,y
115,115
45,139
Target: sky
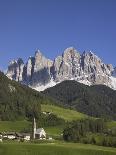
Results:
x,y
54,25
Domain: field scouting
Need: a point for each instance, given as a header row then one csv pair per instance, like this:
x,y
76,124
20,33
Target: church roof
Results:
x,y
39,130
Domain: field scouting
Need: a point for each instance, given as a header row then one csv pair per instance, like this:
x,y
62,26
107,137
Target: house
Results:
x,y
26,137
23,136
0,137
10,135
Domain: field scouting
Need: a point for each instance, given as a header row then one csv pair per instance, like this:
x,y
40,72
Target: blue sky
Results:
x,y
53,25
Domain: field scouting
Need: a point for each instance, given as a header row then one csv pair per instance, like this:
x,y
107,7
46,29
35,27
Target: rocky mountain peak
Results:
x,y
38,54
114,72
70,51
70,54
20,61
15,69
40,72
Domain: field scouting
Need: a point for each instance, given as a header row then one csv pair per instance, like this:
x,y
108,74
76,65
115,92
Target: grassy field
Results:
x,y
14,126
65,114
111,124
55,132
54,149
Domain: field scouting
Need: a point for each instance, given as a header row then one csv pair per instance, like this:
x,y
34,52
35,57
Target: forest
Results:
x,y
90,131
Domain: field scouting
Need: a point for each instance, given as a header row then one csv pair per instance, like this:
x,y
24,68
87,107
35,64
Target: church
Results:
x,y
38,133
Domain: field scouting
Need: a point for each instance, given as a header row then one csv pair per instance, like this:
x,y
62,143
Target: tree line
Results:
x,y
93,131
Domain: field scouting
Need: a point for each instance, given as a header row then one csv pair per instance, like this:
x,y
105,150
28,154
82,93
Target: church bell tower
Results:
x,y
34,128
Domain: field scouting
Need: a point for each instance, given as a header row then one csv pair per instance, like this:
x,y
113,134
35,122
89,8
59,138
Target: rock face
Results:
x,y
66,66
15,70
40,72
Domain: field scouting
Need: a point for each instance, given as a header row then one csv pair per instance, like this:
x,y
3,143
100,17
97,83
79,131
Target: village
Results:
x,y
37,134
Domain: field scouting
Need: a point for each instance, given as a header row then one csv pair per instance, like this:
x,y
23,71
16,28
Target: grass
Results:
x,y
111,124
55,131
66,114
54,149
14,126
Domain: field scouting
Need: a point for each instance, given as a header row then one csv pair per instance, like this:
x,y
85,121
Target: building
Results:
x,y
23,136
38,133
0,137
9,135
26,137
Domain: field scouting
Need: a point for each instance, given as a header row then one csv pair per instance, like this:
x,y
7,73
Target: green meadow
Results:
x,y
54,149
14,125
66,114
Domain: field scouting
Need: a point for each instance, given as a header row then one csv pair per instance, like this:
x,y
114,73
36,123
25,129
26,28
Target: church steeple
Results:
x,y
34,128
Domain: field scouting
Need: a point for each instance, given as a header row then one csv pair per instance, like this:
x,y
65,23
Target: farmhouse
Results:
x,y
9,135
23,136
26,136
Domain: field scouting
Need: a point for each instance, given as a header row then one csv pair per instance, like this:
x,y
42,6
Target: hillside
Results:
x,y
16,126
97,101
66,114
17,101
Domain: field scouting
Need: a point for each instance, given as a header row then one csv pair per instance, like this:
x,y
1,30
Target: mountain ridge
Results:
x,y
41,73
96,100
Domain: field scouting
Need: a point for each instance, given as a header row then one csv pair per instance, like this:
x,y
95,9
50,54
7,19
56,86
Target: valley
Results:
x,y
56,109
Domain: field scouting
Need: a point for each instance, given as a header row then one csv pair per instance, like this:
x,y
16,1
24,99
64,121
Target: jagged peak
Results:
x,y
38,53
70,65
90,53
20,61
114,72
12,62
31,58
58,57
70,51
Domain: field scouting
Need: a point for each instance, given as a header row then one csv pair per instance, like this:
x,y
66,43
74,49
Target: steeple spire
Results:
x,y
34,128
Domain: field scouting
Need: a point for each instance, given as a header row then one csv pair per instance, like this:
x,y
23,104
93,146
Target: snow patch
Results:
x,y
86,82
113,82
43,87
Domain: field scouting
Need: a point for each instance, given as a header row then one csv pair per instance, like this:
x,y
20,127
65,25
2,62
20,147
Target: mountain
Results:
x,y
41,73
19,101
97,100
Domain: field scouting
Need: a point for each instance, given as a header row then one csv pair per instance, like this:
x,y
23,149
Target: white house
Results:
x,y
0,137
11,136
26,137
